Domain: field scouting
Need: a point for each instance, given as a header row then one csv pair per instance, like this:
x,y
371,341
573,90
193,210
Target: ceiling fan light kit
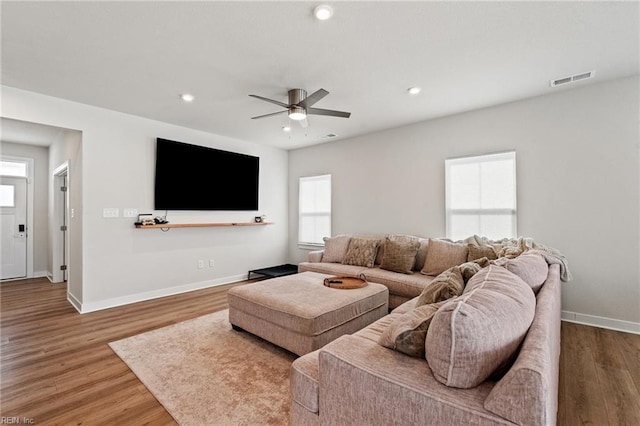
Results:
x,y
297,113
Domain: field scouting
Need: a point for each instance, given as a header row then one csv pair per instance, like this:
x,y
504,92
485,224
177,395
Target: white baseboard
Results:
x,y
74,302
84,308
40,274
602,322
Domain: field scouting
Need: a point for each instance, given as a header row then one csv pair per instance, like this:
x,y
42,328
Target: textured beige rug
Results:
x,y
204,373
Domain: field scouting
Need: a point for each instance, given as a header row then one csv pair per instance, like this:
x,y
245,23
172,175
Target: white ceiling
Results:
x,y
137,57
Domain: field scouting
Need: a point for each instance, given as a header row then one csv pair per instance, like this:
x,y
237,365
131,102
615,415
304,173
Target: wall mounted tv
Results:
x,y
192,177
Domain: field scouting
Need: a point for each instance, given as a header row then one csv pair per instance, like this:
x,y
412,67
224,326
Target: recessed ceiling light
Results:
x,y
187,97
414,90
323,12
286,128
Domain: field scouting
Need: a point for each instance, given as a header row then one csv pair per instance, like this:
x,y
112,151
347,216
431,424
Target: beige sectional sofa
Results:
x,y
491,357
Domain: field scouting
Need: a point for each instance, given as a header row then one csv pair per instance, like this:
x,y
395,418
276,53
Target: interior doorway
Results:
x,y
17,212
60,222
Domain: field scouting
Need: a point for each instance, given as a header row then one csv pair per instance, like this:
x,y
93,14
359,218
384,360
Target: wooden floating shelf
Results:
x,y
201,225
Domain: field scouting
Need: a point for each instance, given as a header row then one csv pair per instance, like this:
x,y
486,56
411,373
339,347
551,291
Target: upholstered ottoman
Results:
x,y
297,312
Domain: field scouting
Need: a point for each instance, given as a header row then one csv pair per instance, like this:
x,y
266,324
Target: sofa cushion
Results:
x,y
442,255
406,285
532,268
479,332
408,332
445,286
400,256
406,306
332,269
361,252
335,248
374,330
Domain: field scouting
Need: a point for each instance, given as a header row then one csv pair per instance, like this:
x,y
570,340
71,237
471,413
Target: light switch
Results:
x,y
110,212
130,212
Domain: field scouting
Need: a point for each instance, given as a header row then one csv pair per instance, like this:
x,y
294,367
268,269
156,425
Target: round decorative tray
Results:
x,y
345,282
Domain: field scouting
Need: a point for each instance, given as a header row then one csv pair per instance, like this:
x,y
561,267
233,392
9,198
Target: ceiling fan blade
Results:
x,y
313,98
330,112
269,115
282,104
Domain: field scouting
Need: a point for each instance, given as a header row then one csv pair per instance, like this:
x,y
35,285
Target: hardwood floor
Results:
x,y
57,369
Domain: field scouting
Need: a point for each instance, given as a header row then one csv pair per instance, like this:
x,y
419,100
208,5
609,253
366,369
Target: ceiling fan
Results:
x,y
300,105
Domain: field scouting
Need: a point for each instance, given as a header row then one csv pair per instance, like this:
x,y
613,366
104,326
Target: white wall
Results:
x,y
67,150
121,264
577,175
40,228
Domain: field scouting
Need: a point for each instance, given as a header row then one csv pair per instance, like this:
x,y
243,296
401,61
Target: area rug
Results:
x,y
205,373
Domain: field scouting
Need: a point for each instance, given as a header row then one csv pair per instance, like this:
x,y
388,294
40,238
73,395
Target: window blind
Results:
x,y
481,196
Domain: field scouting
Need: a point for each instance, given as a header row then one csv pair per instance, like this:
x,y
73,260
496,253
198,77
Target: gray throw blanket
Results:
x,y
514,247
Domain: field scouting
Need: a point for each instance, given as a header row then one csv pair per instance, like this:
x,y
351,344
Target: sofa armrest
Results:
x,y
361,382
315,256
528,392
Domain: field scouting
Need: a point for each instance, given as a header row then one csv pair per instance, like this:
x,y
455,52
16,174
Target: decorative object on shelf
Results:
x,y
258,219
159,220
145,219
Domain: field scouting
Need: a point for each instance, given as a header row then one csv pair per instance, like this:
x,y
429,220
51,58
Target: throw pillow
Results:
x,y
445,286
335,248
442,255
475,334
469,269
478,252
532,268
361,252
399,256
408,332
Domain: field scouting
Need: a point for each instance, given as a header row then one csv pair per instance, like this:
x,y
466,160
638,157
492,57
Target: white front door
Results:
x,y
13,227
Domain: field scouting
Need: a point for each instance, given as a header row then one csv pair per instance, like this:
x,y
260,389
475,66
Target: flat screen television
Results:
x,y
193,177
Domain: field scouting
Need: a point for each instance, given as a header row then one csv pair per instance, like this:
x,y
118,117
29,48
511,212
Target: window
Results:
x,y
314,210
481,196
13,168
7,196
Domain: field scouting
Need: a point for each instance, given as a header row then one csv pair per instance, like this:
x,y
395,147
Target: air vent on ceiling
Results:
x,y
328,136
573,78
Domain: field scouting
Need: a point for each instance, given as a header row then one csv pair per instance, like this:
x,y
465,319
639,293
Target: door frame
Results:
x,y
59,251
30,167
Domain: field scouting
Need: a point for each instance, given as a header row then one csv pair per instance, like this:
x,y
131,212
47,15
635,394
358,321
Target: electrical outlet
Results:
x,y
211,263
200,264
110,212
130,213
